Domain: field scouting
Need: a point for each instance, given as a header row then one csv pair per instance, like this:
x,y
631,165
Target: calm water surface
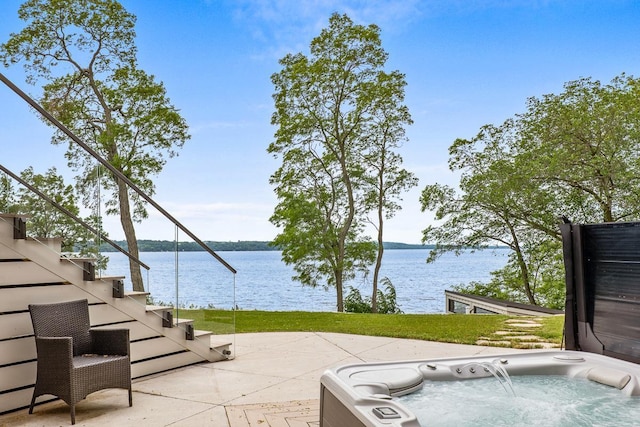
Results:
x,y
263,281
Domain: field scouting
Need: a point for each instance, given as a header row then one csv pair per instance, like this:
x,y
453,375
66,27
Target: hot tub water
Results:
x,y
541,400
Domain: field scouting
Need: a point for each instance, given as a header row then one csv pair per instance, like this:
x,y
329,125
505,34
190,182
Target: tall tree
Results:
x,y
331,109
85,51
385,177
573,153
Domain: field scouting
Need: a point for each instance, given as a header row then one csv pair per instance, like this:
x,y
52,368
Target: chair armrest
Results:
x,y
55,354
110,341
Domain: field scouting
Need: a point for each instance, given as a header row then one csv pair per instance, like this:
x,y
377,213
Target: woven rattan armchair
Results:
x,y
74,360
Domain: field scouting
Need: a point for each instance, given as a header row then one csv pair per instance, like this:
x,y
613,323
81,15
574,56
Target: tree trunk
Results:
x,y
524,271
376,269
525,278
339,292
130,235
344,231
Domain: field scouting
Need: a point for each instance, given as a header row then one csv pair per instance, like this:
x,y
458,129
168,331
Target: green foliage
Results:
x,y
339,115
46,220
355,303
546,269
583,143
96,31
7,195
574,154
321,255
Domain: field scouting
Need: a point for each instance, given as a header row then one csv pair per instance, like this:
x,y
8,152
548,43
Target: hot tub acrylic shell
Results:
x,y
361,394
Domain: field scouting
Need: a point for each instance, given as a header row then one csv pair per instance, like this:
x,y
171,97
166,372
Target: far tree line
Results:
x,y
239,246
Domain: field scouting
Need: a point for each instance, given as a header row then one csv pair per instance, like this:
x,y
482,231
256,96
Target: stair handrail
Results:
x,y
113,170
73,216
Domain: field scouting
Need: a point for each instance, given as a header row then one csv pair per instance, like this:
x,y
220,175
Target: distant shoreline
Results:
x,y
247,245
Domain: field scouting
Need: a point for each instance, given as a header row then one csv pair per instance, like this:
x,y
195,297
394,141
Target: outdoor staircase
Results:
x,y
32,271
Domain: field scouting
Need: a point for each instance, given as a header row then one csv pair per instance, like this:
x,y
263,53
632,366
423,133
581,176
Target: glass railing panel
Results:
x,y
187,279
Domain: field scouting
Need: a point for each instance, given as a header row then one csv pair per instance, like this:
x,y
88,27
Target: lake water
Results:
x,y
263,281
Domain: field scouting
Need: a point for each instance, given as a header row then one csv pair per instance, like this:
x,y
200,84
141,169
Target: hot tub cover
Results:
x,y
602,273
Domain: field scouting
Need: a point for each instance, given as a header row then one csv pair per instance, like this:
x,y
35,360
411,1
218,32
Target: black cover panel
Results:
x,y
607,280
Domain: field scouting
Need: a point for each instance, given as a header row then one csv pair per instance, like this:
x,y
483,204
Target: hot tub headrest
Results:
x,y
397,380
610,377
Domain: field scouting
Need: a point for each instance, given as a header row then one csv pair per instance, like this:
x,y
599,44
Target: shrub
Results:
x,y
387,304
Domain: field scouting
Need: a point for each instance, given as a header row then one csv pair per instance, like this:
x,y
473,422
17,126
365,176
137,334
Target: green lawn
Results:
x,y
463,329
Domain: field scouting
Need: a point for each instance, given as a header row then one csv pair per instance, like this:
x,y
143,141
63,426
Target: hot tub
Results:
x,y
489,390
595,378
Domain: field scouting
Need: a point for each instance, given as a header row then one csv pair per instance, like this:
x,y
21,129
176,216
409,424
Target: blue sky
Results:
x,y
467,63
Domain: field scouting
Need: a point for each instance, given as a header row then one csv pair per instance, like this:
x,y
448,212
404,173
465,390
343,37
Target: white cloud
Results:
x,y
286,26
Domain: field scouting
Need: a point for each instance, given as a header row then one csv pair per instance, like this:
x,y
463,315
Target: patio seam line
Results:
x,y
225,402
356,355
340,347
236,371
211,366
283,380
147,393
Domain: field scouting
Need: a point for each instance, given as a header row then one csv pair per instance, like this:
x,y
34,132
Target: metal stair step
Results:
x,y
110,278
136,294
77,259
158,308
200,333
181,322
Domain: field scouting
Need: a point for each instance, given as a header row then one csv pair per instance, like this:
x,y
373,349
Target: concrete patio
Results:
x,y
273,381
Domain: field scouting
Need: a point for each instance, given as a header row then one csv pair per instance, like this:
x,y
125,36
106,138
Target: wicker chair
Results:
x,y
74,360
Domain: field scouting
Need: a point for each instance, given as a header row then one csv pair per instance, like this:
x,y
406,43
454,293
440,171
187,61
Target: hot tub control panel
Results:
x,y
386,413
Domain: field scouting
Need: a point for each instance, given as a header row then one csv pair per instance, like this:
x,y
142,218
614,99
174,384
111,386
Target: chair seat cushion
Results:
x,y
95,359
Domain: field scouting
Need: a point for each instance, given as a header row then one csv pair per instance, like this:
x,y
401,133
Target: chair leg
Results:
x,y
130,397
73,414
33,401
